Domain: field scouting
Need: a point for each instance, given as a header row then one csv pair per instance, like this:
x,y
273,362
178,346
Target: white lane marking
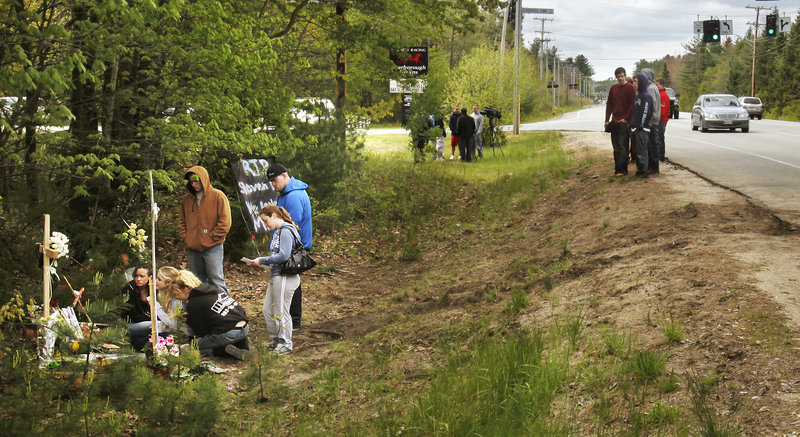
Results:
x,y
739,151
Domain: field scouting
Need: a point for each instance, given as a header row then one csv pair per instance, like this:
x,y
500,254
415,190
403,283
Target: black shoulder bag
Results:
x,y
299,260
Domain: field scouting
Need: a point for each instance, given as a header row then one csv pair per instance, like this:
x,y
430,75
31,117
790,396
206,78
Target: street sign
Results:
x,y
411,86
726,27
785,24
698,27
537,11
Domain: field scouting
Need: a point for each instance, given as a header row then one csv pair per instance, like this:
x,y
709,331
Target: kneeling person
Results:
x,y
214,316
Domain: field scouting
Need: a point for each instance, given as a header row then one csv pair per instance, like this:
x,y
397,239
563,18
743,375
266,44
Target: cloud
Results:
x,y
613,33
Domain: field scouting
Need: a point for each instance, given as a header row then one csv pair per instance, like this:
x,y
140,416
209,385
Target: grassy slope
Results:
x,y
445,299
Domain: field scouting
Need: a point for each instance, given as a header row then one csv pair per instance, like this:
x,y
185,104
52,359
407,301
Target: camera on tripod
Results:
x,y
491,112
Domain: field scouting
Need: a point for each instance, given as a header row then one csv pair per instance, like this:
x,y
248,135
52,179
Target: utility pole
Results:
x,y
541,46
755,40
517,60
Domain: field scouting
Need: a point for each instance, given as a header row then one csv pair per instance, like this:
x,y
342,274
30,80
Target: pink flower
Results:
x,y
175,351
170,340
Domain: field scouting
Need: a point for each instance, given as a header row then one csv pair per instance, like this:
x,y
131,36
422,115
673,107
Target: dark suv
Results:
x,y
673,102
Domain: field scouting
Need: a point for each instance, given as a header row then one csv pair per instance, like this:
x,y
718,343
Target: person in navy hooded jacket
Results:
x,y
292,196
640,123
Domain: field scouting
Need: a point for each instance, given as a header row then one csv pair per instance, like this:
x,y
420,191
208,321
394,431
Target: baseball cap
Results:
x,y
274,171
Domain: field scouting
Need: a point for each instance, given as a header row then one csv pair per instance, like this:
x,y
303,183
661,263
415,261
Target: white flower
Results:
x,y
60,243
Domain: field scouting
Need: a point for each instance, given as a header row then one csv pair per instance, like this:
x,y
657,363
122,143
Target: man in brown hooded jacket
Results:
x,y
205,220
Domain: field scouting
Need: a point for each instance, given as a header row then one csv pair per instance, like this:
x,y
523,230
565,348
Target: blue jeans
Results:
x,y
479,144
207,266
210,342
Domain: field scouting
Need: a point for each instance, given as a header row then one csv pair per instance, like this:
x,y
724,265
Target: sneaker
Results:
x,y
238,353
617,175
273,344
452,157
281,349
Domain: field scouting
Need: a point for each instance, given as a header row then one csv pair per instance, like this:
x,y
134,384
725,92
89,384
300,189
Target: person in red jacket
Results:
x,y
662,124
619,108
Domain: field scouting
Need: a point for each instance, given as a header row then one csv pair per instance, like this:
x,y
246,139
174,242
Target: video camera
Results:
x,y
491,112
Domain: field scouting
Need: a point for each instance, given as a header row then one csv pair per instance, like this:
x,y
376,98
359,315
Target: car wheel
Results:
x,y
759,117
745,130
752,117
692,124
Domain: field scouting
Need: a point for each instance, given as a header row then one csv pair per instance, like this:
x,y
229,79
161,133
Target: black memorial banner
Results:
x,y
255,191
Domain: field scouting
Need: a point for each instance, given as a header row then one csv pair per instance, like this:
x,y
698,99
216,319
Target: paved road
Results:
x,y
763,164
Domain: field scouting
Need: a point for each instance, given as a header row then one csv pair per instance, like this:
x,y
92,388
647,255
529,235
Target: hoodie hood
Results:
x,y
205,289
294,184
649,73
204,180
643,82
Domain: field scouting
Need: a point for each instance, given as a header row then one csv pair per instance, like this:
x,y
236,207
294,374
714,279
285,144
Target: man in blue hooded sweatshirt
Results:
x,y
640,123
293,197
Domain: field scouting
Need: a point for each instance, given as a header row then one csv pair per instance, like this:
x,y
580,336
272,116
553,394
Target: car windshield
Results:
x,y
720,101
753,100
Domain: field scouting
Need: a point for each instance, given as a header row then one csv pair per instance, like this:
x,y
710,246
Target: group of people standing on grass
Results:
x,y
200,293
466,133
637,111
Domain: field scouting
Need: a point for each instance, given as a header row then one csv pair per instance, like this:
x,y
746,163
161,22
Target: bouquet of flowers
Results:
x,y
60,243
165,347
134,236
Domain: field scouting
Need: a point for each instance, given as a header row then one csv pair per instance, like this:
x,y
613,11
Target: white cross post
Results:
x,y
153,315
48,254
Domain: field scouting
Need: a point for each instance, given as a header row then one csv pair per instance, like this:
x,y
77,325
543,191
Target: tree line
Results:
x,y
99,93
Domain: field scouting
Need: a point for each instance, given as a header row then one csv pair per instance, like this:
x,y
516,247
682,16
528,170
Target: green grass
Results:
x,y
501,388
673,330
647,365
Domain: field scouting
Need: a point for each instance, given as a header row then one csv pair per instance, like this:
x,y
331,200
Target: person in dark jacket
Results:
x,y
640,123
137,309
214,316
652,140
453,125
466,133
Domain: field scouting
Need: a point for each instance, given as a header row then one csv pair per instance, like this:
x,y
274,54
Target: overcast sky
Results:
x,y
614,33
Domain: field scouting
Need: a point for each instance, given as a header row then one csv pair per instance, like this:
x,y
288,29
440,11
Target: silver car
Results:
x,y
719,111
753,106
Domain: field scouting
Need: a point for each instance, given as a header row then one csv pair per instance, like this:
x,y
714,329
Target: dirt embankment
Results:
x,y
640,252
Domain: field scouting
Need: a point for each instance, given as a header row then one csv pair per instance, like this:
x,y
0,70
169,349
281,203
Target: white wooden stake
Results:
x,y
153,315
46,266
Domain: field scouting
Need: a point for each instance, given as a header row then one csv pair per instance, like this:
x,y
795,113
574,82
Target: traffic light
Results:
x,y
711,31
772,25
